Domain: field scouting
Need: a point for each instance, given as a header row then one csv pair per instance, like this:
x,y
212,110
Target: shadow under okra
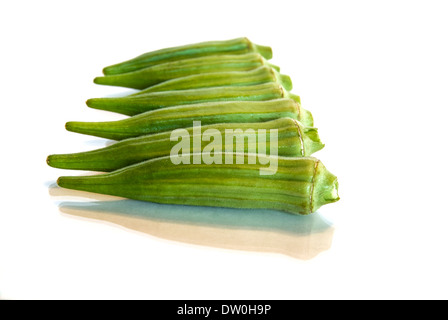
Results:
x,y
267,231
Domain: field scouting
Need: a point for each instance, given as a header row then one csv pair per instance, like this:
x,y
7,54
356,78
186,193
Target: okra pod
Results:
x,y
221,79
233,46
150,76
154,100
292,140
298,186
182,116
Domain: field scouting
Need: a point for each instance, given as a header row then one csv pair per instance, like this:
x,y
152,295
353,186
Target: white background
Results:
x,y
373,73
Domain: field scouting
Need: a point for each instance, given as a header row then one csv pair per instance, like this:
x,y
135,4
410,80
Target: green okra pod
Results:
x,y
133,105
182,116
292,140
233,46
298,185
221,79
150,76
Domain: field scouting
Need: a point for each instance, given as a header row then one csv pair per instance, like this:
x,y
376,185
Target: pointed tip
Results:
x,y
70,125
57,161
89,102
60,181
117,105
80,127
97,80
68,182
89,183
106,71
109,80
112,130
96,103
114,69
120,68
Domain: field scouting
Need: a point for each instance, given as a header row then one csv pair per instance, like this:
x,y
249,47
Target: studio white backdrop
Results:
x,y
374,75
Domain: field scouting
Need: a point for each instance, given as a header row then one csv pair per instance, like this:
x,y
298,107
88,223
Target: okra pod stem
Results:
x,y
182,116
233,46
133,105
292,140
150,76
220,79
299,185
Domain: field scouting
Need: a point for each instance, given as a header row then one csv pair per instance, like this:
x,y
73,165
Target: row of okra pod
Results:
x,y
212,124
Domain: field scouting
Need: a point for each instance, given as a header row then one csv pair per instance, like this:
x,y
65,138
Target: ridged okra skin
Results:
x,y
133,105
182,116
292,140
232,46
222,79
298,186
150,76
